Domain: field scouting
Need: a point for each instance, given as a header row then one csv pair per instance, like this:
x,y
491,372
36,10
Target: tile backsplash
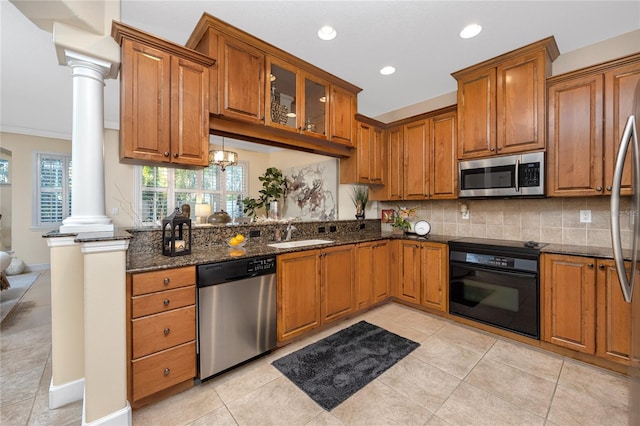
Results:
x,y
549,220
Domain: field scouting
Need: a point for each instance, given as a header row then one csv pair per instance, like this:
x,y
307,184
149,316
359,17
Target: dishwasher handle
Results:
x,y
231,279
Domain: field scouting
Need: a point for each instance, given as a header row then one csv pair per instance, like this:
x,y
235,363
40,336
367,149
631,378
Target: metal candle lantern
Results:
x,y
176,234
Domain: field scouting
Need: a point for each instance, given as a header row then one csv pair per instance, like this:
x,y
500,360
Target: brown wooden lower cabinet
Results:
x,y
372,272
583,308
314,287
161,333
423,274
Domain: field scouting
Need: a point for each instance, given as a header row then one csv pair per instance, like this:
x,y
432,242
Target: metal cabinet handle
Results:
x,y
492,149
609,188
601,267
166,281
590,265
598,188
175,155
167,331
166,153
167,371
166,302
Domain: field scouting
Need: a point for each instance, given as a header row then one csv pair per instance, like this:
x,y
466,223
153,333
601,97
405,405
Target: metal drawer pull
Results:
x,y
167,331
166,302
167,371
166,281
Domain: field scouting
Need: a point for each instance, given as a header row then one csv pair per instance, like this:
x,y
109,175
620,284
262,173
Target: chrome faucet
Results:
x,y
290,228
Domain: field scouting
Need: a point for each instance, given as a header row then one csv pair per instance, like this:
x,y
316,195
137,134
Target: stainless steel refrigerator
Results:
x,y
629,156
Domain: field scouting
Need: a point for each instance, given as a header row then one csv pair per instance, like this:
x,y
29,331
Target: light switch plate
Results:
x,y
585,216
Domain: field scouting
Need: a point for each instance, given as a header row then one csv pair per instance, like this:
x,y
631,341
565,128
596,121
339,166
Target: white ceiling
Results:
x,y
420,38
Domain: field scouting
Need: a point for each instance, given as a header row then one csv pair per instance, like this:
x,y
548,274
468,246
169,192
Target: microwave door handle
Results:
x,y
517,175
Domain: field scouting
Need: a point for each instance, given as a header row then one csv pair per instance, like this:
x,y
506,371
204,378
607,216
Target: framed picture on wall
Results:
x,y
387,216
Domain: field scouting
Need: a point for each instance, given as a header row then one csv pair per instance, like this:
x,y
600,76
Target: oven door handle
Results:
x,y
496,270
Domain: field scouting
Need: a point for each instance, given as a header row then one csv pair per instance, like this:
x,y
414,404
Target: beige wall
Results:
x,y
5,205
27,242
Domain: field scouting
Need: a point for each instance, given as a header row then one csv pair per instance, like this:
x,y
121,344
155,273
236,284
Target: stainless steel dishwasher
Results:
x,y
236,312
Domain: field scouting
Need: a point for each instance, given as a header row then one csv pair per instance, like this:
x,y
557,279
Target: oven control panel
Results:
x,y
486,259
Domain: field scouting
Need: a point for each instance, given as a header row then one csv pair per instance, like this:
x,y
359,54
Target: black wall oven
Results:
x,y
496,282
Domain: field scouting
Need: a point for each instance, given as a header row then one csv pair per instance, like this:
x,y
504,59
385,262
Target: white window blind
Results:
x,y
163,189
4,171
53,189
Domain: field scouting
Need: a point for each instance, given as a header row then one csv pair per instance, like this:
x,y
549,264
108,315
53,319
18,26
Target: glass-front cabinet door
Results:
x,y
282,106
315,114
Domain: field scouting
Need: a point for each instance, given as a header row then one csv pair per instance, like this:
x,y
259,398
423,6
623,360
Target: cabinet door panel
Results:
x,y
569,302
409,286
364,274
416,159
189,112
434,276
444,169
338,286
377,156
146,103
575,137
477,114
521,104
343,110
396,156
381,258
243,76
620,87
298,293
364,152
614,316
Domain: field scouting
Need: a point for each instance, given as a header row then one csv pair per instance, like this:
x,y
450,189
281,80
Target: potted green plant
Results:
x,y
273,186
360,197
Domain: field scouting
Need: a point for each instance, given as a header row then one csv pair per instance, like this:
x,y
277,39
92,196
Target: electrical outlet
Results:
x,y
465,215
585,216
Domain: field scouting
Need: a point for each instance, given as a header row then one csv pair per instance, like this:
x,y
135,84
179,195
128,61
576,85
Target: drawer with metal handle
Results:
x,y
162,301
165,279
154,333
163,369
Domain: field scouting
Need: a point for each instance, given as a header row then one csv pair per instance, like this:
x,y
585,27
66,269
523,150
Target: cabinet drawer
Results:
x,y
162,301
161,331
167,279
163,370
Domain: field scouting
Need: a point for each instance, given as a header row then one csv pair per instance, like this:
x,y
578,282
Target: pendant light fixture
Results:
x,y
223,158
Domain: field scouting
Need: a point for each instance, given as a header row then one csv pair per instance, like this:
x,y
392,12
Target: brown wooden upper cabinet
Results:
x,y
367,164
420,156
501,102
164,111
587,112
288,100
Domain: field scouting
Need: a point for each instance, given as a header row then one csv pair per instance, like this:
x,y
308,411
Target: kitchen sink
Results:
x,y
300,243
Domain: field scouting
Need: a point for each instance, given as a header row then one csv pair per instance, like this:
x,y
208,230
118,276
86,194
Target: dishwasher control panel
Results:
x,y
233,270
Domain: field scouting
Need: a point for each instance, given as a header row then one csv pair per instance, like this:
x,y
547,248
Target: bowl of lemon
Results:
x,y
236,242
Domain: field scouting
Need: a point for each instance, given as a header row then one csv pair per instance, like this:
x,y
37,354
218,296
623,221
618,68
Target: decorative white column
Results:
x,y
67,320
87,140
105,335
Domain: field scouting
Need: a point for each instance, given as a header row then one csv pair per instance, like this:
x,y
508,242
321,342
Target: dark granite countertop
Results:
x,y
144,262
590,251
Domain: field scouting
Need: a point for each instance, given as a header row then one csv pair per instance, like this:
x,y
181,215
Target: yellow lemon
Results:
x,y
234,241
239,237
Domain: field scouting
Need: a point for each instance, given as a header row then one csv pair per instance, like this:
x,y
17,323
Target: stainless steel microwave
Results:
x,y
519,175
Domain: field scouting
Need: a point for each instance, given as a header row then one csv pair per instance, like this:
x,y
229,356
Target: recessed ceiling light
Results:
x,y
388,70
470,31
327,33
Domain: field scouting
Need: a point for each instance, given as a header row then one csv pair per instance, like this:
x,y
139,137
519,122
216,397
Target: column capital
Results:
x,y
80,60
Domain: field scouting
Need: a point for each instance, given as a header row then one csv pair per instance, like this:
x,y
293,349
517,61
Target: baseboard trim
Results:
x,y
121,417
65,394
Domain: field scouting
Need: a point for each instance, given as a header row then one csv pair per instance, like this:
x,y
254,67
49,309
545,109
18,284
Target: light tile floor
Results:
x,y
458,376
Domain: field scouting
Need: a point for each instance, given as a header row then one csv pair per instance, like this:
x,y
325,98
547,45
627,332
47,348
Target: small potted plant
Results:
x,y
360,197
273,186
401,219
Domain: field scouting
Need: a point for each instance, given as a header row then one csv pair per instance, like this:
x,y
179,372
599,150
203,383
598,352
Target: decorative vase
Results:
x,y
397,231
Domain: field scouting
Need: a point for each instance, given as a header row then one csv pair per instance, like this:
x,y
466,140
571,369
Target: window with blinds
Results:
x,y
163,189
53,192
4,171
